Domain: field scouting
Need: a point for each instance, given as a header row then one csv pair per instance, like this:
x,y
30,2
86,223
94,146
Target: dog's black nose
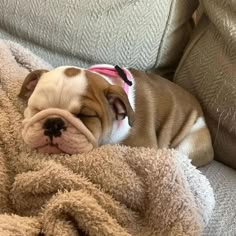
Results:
x,y
53,127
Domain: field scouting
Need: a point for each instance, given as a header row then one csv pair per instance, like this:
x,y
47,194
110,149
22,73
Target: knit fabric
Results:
x,y
208,70
223,181
142,34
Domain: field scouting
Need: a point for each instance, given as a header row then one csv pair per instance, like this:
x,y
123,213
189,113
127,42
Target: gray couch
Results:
x,y
149,35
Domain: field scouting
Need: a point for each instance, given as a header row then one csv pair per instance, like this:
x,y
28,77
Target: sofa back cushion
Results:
x,y
143,34
208,70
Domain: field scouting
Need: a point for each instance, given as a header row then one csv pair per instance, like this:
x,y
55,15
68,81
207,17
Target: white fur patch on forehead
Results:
x,y
58,90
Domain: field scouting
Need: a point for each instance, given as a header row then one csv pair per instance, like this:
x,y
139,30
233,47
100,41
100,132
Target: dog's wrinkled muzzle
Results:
x,y
76,138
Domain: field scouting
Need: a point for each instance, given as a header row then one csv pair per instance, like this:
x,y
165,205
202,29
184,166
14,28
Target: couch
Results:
x,y
153,35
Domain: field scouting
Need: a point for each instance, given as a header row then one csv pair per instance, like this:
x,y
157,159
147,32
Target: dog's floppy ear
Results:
x,y
30,83
119,102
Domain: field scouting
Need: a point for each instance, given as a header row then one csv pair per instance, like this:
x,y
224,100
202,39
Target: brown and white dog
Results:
x,y
73,110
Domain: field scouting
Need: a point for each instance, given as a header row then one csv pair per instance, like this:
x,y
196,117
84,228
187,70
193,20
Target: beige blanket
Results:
x,y
112,190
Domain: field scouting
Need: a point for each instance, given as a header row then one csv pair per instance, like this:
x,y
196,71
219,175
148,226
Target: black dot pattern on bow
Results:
x,y
122,74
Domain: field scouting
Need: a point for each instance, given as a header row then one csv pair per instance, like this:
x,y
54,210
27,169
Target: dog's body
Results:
x,y
153,112
174,117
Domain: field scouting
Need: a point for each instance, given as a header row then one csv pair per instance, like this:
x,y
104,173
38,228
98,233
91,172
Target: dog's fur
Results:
x,y
156,113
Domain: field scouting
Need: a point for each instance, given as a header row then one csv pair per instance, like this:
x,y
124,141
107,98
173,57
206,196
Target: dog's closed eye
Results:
x,y
86,113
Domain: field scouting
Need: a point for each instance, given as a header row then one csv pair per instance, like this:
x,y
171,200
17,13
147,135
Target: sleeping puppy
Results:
x,y
73,110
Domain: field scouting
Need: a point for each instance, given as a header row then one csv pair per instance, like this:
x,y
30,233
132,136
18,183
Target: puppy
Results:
x,y
73,110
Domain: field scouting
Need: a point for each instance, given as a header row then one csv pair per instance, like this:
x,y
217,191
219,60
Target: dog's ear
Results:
x,y
30,83
119,102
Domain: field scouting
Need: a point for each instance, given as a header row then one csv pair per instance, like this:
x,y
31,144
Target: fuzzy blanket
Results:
x,y
112,190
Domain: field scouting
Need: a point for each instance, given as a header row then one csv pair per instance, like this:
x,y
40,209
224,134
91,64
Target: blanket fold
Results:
x,y
111,190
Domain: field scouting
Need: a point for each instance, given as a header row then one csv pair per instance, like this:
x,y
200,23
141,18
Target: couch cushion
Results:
x,y
142,34
208,70
223,182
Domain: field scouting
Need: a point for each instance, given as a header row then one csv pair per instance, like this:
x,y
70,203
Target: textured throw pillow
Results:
x,y
208,70
143,34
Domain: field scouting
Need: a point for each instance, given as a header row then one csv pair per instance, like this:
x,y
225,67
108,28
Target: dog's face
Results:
x,y
71,110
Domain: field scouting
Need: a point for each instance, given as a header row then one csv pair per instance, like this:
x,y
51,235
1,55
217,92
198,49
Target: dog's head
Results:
x,y
71,109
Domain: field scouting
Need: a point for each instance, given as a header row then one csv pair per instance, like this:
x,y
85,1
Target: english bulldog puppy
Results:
x,y
74,110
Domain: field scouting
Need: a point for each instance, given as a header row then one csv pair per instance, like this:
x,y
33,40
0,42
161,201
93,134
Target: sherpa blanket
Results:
x,y
112,190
